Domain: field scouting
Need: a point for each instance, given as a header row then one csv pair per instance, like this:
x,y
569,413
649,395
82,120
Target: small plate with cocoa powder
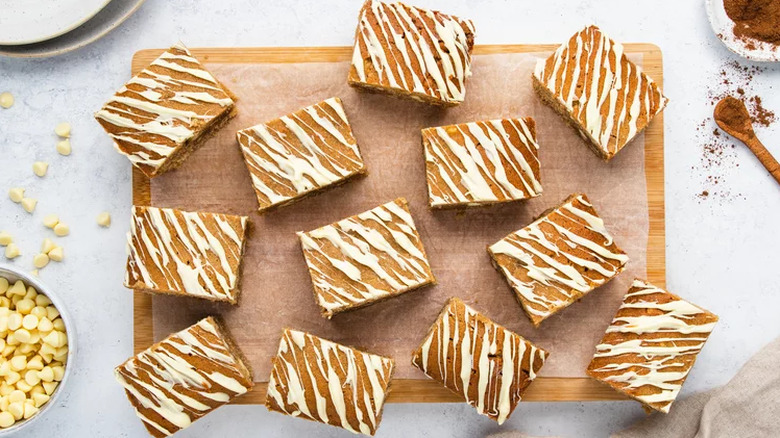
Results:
x,y
749,28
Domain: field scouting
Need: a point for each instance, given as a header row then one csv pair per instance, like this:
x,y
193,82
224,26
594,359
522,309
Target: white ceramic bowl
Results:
x,y
13,274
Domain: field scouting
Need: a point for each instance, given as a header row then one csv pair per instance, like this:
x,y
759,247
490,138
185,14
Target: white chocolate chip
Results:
x,y
42,300
40,260
49,387
16,409
25,306
39,399
6,419
14,322
30,322
104,219
51,221
56,254
44,325
47,246
29,410
63,147
63,129
61,229
3,285
6,100
18,288
28,204
12,251
16,194
5,239
40,168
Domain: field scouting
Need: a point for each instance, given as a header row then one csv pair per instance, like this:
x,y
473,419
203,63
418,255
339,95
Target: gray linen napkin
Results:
x,y
746,407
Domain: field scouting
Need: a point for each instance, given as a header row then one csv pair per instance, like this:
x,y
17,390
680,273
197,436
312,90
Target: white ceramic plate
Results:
x,y
33,21
724,29
108,19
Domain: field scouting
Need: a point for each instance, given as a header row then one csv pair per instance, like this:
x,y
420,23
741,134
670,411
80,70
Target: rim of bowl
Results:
x,y
30,280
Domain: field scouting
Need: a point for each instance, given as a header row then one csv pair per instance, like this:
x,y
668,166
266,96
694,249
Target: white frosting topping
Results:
x,y
547,268
611,84
168,381
169,251
162,107
477,164
457,352
655,348
365,258
310,367
416,50
314,149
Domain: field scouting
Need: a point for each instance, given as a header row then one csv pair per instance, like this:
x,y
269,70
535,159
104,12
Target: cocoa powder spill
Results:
x,y
718,153
755,21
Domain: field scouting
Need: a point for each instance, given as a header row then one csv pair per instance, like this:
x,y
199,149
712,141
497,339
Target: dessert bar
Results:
x,y
486,364
412,52
481,163
365,258
651,345
185,253
166,111
300,153
598,90
558,258
184,377
320,380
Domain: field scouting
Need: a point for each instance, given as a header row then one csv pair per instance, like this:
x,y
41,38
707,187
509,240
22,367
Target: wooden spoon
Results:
x,y
732,117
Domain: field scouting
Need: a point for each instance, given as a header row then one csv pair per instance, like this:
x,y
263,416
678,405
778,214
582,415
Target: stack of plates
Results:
x,y
33,28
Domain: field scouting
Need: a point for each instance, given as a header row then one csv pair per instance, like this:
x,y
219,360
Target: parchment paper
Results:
x,y
276,288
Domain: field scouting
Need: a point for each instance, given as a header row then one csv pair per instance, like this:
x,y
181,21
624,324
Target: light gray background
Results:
x,y
720,251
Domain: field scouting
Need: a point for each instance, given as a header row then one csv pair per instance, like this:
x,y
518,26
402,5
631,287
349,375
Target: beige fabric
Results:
x,y
746,407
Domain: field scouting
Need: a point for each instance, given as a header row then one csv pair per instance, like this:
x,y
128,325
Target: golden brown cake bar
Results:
x,y
481,361
558,258
412,52
166,111
651,345
300,153
184,377
320,380
481,163
365,258
592,84
185,253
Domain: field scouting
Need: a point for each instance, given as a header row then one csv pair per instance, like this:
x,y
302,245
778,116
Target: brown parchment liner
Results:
x,y
276,288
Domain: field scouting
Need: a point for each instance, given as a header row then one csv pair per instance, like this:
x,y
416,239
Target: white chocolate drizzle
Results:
x,y
312,376
415,50
652,343
558,258
296,154
365,258
608,95
162,107
192,253
481,162
169,385
475,357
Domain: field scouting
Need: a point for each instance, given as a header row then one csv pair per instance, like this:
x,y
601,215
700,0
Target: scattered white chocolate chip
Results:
x,y
63,147
63,129
104,219
40,260
40,168
56,254
16,194
5,238
47,246
50,221
12,251
6,100
28,204
61,229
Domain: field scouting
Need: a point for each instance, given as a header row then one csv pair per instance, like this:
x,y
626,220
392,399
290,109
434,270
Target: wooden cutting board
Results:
x,y
429,391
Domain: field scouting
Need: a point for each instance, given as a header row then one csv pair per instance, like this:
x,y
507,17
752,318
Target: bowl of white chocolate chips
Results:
x,y
36,344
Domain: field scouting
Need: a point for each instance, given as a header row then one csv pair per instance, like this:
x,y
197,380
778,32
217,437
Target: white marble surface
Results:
x,y
720,252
